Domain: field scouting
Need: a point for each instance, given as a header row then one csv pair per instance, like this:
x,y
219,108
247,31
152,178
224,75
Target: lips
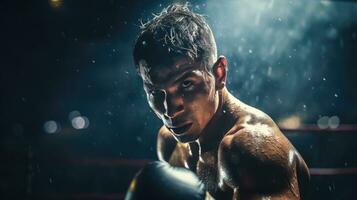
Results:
x,y
180,129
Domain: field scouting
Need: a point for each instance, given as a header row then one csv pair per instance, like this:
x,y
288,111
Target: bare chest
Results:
x,y
207,171
205,166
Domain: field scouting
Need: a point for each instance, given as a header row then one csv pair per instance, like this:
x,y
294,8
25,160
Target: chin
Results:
x,y
186,138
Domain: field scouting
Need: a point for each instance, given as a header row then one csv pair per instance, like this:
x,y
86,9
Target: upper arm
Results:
x,y
255,160
166,144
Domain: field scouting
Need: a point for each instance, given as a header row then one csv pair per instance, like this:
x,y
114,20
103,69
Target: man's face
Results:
x,y
182,94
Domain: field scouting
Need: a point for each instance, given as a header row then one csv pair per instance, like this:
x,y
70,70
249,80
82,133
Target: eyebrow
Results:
x,y
186,73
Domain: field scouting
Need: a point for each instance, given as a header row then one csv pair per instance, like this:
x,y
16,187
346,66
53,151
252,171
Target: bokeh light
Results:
x,y
86,120
56,3
73,114
290,122
334,122
322,123
80,122
51,127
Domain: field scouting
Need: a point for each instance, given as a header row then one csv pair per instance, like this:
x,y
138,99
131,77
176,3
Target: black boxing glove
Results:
x,y
159,180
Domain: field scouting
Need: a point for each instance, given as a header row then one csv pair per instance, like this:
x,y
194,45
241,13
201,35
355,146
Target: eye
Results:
x,y
186,84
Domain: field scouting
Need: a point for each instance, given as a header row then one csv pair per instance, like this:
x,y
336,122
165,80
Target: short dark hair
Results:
x,y
176,31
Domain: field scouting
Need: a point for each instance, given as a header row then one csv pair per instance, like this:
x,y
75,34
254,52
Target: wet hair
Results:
x,y
176,31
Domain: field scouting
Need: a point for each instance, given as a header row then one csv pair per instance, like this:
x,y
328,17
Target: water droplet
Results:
x,y
139,139
109,113
269,70
304,107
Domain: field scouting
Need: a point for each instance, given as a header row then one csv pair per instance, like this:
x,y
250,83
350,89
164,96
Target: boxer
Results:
x,y
237,151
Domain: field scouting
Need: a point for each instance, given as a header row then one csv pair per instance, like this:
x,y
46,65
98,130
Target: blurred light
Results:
x,y
73,114
86,120
51,127
56,3
334,122
291,122
323,122
80,122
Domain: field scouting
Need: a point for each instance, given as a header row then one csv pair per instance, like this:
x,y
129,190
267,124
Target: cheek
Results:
x,y
201,99
202,89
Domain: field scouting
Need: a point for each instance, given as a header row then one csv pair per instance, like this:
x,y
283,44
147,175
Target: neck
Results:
x,y
220,123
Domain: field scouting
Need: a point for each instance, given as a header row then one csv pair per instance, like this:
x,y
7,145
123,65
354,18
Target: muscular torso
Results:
x,y
205,166
267,164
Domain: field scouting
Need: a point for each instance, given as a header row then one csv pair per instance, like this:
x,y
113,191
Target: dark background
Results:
x,y
295,60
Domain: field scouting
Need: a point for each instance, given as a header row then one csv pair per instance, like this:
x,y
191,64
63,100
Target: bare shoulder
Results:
x,y
259,142
255,155
166,144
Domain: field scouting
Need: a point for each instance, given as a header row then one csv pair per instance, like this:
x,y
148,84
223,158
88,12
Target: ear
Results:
x,y
220,72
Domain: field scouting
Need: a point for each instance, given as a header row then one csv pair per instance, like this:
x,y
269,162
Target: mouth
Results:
x,y
180,129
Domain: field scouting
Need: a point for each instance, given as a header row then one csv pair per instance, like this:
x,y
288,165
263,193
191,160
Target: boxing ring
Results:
x,y
114,175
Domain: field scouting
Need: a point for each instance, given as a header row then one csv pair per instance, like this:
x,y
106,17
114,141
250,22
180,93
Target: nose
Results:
x,y
167,104
173,105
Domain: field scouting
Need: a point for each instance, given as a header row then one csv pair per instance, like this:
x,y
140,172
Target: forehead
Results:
x,y
159,75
